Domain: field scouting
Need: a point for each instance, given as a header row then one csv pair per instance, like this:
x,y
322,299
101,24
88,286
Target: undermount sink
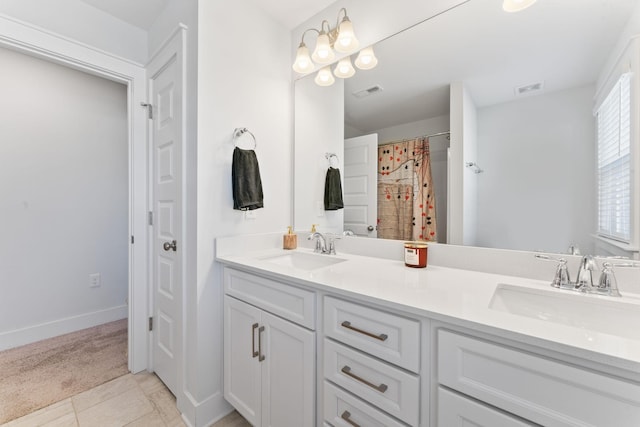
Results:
x,y
582,311
304,261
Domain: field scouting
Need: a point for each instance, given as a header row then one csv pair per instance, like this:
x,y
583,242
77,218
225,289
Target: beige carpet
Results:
x,y
39,374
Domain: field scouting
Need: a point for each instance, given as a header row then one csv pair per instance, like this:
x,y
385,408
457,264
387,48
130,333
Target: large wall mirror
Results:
x,y
517,90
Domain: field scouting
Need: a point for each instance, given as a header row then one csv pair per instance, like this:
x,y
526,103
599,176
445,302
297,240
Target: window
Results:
x,y
614,162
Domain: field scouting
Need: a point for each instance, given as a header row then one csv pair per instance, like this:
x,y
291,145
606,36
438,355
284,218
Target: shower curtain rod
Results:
x,y
438,134
428,136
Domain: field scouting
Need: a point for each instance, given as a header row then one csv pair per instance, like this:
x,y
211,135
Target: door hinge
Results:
x,y
151,323
149,108
150,218
132,240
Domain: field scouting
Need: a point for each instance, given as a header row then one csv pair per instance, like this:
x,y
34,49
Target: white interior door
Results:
x,y
361,185
167,243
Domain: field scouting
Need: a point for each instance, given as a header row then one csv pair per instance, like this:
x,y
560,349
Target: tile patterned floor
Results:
x,y
140,400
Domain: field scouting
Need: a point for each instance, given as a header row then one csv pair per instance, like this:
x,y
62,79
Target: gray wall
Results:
x,y
538,186
64,197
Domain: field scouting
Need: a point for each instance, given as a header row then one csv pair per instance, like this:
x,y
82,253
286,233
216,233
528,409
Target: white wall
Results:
x,y
462,196
537,191
79,21
64,163
470,179
319,123
244,80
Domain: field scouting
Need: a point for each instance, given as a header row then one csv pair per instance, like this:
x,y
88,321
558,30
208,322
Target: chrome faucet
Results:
x,y
606,285
321,243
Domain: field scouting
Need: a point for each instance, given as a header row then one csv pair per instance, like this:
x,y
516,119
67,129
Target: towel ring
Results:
x,y
329,156
238,132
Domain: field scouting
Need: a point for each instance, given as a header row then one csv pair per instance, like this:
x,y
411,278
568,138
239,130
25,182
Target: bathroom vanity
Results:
x,y
351,340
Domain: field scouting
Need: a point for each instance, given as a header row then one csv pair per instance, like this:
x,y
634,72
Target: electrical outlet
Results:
x,y
95,280
250,214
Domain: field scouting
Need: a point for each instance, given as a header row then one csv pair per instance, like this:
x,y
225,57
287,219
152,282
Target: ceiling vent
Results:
x,y
368,91
528,89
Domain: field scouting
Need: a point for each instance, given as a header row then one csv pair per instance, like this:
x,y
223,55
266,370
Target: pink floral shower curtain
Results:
x,y
406,203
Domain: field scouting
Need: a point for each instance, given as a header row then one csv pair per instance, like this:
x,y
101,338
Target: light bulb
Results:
x,y
346,41
324,77
303,62
516,5
366,59
344,69
323,54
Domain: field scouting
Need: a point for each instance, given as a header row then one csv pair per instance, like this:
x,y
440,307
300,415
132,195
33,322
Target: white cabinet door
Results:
x,y
288,374
241,366
269,367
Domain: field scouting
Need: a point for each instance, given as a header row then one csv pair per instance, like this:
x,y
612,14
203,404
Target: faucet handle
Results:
x,y
607,285
561,278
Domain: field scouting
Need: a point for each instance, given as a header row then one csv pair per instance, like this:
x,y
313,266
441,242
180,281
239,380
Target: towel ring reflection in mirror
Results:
x,y
238,132
474,166
330,157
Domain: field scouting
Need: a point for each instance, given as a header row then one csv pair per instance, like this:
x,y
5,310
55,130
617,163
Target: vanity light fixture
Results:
x,y
366,59
516,5
341,39
324,77
344,69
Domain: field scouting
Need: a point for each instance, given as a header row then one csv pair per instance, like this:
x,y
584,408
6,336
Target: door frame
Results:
x,y
37,42
173,46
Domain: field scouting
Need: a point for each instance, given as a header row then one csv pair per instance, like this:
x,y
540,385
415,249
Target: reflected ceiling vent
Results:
x,y
368,91
529,89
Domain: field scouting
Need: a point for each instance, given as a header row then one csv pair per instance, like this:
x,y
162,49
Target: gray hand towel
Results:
x,y
246,182
333,191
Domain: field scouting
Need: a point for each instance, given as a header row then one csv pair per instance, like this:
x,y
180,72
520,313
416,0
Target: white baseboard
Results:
x,y
204,413
18,337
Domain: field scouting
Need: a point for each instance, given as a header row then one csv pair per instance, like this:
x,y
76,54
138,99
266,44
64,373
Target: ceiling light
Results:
x,y
516,5
366,59
344,69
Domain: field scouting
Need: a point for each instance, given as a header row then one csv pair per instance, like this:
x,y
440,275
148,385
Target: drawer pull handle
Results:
x,y
254,353
261,356
347,371
346,415
381,337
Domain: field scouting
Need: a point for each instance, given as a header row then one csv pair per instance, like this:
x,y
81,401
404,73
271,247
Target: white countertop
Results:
x,y
453,295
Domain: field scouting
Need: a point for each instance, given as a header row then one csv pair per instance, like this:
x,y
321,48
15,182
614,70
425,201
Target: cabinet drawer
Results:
x,y
542,390
457,410
390,337
343,410
289,302
387,387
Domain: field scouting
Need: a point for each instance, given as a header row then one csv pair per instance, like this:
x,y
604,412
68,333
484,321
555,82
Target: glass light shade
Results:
x,y
346,41
344,69
303,63
366,59
516,5
324,77
323,54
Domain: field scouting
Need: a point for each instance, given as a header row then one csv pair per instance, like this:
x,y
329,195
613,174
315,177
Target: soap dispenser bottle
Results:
x,y
290,240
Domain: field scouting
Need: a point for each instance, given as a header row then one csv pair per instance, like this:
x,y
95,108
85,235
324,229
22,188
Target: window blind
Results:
x,y
614,162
